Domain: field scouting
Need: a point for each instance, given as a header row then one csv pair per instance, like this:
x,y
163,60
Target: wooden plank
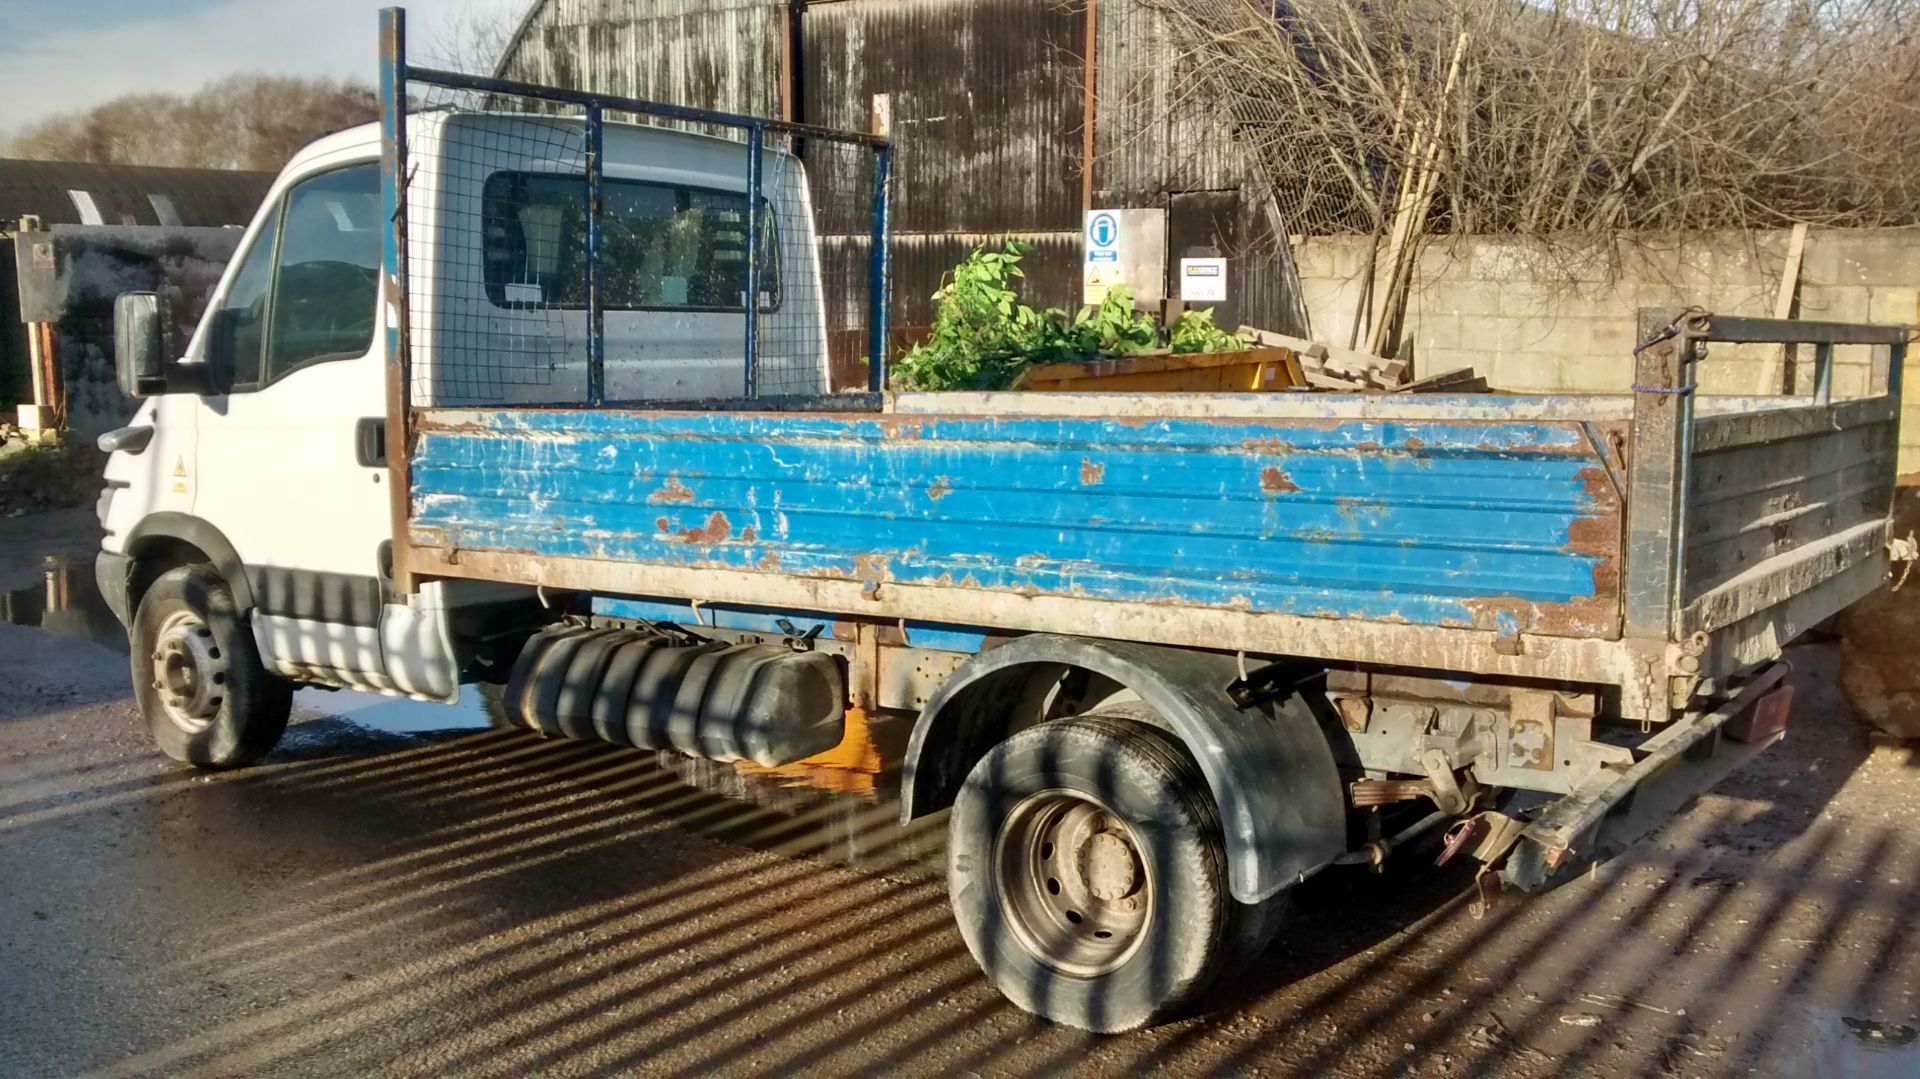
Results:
x,y
1771,373
1458,378
1403,248
1144,363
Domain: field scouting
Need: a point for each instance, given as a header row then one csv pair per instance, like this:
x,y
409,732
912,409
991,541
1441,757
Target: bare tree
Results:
x,y
473,41
1570,116
239,122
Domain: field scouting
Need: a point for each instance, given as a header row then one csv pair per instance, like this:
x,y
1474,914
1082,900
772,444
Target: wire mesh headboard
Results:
x,y
551,246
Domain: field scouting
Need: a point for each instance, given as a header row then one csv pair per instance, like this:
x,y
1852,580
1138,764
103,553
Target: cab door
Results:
x,y
298,394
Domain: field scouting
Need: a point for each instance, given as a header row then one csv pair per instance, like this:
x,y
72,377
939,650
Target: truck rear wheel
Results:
x,y
197,674
1088,874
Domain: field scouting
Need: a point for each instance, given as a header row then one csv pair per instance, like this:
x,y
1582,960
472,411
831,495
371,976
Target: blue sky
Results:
x,y
62,55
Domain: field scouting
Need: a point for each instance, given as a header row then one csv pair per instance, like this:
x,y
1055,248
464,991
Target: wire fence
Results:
x,y
565,248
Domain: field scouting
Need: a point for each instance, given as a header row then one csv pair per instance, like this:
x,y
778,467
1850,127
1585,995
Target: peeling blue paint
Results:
x,y
1435,523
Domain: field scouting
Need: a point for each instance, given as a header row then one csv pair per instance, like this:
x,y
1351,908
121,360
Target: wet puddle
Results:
x,y
1854,1047
841,806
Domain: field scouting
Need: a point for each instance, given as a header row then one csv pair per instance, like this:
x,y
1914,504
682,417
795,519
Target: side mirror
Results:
x,y
136,344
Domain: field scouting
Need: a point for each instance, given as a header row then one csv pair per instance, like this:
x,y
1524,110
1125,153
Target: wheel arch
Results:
x,y
164,540
1271,771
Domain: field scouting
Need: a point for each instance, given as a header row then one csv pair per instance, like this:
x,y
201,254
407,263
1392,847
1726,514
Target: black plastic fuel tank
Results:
x,y
766,703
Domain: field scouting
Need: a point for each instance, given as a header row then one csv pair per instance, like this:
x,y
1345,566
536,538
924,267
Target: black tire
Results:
x,y
1019,867
197,675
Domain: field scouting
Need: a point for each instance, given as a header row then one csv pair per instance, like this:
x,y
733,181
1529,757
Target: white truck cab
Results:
x,y
246,509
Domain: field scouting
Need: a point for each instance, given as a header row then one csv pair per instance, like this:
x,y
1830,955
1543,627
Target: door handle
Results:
x,y
370,442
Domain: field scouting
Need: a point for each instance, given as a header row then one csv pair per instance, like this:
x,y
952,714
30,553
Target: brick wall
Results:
x,y
1540,320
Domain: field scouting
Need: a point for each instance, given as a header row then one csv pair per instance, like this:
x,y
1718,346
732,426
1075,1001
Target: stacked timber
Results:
x,y
1346,370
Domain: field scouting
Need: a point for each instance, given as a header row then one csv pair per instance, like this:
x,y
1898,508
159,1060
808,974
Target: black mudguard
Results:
x,y
1270,767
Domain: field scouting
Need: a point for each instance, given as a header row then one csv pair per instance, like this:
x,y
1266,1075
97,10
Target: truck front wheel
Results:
x,y
197,674
1088,874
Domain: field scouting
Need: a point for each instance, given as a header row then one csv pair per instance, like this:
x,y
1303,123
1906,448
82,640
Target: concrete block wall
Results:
x,y
1535,318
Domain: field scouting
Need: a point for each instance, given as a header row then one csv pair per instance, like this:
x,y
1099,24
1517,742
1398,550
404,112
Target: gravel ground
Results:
x,y
484,902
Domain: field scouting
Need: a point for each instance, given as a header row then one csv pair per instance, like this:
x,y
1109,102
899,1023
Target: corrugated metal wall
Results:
x,y
716,54
54,191
1159,142
987,101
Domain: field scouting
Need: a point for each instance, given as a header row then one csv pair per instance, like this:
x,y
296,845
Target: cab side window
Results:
x,y
305,291
326,269
240,325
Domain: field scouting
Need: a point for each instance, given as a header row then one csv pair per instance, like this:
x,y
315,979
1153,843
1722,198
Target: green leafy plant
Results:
x,y
983,336
1195,331
1111,329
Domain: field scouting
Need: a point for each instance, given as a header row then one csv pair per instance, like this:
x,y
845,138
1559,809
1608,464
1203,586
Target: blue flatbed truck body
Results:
x,y
1501,526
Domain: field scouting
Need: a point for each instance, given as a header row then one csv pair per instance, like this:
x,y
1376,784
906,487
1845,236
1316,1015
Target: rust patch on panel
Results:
x,y
940,489
1598,484
1592,617
896,428
872,567
1599,537
671,491
717,530
1091,472
1269,445
1274,480
749,535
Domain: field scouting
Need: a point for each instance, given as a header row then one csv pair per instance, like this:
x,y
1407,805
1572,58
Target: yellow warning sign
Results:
x,y
180,475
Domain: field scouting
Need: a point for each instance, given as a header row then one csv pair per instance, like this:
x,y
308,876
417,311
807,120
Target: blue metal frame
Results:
x,y
596,302
395,74
750,303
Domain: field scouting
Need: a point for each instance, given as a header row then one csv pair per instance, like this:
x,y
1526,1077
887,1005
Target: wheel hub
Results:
x,y
1074,886
1108,866
189,672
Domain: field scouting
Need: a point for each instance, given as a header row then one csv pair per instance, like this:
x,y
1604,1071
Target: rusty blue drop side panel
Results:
x,y
1509,525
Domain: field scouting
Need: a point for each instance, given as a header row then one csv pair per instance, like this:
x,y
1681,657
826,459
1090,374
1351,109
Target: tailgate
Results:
x,y
1754,519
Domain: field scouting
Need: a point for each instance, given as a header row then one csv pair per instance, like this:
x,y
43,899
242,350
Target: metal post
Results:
x,y
756,137
393,265
596,303
879,273
40,410
1823,373
1662,427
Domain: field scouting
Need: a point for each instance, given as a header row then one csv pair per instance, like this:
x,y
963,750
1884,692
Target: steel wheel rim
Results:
x,y
1076,889
189,671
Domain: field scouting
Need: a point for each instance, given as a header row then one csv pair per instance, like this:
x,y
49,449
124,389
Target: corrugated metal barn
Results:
x,y
120,228
996,111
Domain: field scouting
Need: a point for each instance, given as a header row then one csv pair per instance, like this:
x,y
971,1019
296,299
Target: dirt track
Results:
x,y
484,902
